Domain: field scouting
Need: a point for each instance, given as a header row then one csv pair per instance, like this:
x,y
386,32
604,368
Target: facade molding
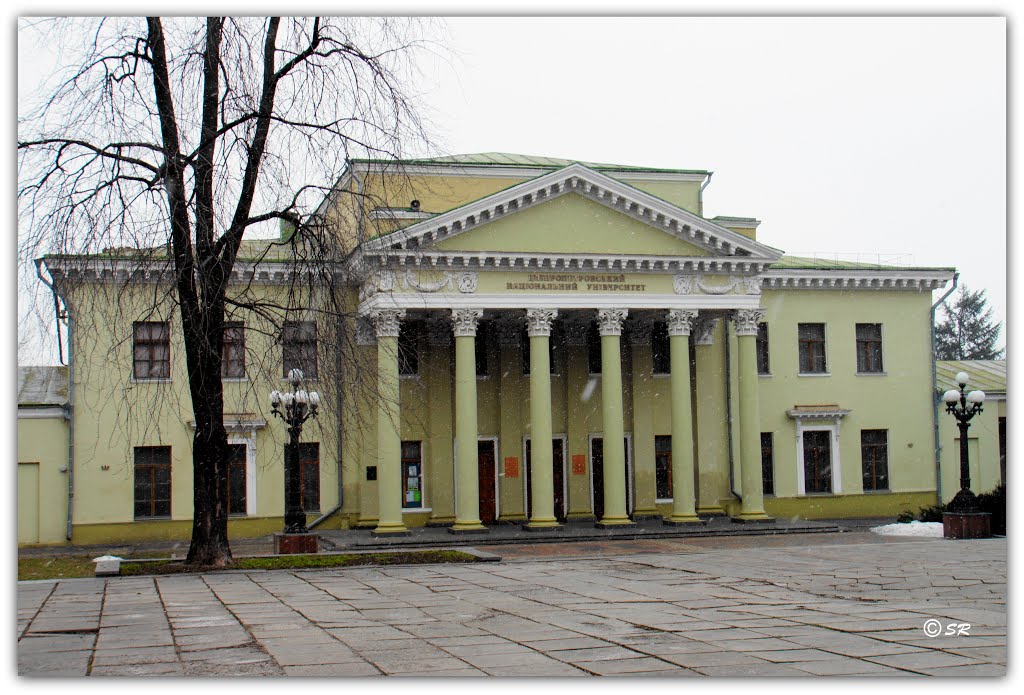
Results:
x,y
41,413
746,320
568,301
515,172
387,322
609,321
538,321
889,279
681,321
697,284
464,322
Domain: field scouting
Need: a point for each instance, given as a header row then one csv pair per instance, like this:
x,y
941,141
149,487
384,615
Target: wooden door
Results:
x,y
486,461
597,475
558,478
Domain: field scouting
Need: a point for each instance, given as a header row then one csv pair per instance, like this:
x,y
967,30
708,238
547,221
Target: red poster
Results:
x,y
579,464
512,467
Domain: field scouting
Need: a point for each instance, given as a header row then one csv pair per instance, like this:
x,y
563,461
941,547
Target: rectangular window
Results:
x,y
869,348
483,333
663,466
409,348
661,348
763,363
593,348
874,457
309,475
811,337
817,461
412,475
299,342
237,454
525,342
151,348
152,481
768,463
232,358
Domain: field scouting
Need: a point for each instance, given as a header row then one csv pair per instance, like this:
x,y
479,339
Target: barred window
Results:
x,y
874,456
299,343
763,363
811,338
663,466
309,475
661,348
151,348
237,500
817,461
768,463
409,348
232,359
869,347
152,481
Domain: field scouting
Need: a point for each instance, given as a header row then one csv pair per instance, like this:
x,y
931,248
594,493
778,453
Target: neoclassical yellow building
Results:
x,y
527,340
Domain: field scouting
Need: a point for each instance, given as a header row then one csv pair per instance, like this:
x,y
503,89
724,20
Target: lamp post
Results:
x,y
294,407
964,518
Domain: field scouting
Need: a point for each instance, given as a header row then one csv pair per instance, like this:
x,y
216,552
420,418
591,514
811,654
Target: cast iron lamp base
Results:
x,y
296,543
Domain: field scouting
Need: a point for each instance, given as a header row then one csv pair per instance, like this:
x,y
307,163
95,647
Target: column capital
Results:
x,y
681,321
365,333
746,320
639,331
538,321
387,321
609,321
703,330
464,321
508,330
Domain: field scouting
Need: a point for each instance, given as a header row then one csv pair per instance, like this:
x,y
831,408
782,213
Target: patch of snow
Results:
x,y
107,558
920,529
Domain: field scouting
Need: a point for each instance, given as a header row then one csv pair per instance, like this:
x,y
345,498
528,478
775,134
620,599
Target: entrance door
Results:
x,y
485,466
558,475
597,475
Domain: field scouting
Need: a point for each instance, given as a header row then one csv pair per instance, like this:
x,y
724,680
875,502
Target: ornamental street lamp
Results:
x,y
294,407
963,517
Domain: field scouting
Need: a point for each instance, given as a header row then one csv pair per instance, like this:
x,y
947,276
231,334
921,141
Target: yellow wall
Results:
x,y
42,487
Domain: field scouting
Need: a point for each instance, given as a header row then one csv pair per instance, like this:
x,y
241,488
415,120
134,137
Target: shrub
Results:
x,y
932,513
905,517
995,504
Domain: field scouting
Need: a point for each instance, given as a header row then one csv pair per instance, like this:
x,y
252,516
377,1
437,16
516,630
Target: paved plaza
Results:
x,y
819,604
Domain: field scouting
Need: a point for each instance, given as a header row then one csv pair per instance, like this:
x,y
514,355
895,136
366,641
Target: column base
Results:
x,y
711,510
755,518
467,529
646,516
614,522
388,530
683,520
543,526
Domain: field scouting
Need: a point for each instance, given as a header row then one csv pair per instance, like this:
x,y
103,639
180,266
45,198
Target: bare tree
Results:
x,y
170,140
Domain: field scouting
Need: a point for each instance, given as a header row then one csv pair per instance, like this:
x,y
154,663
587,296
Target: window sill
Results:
x,y
234,379
764,374
666,500
305,380
814,374
817,494
415,510
870,374
153,518
155,380
410,377
665,375
877,492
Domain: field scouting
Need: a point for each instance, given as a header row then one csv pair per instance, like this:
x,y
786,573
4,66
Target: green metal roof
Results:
x,y
508,159
42,386
987,375
800,262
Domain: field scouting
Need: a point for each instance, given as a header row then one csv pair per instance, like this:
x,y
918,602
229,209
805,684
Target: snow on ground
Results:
x,y
921,529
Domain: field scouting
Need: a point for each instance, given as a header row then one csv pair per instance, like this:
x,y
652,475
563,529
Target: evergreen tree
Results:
x,y
967,331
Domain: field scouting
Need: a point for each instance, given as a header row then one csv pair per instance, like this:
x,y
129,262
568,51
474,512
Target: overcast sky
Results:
x,y
843,135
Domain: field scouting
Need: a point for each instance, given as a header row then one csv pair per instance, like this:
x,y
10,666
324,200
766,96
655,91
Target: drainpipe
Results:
x,y
69,408
934,395
700,194
339,403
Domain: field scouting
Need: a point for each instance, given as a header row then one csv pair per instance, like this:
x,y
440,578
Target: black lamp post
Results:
x,y
298,406
963,517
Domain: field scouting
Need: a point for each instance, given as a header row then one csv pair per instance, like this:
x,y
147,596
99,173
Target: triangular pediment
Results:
x,y
573,210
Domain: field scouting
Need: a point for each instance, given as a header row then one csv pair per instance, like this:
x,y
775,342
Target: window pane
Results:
x,y
412,475
874,451
811,340
298,341
817,461
152,481
233,353
869,347
763,366
663,466
767,463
